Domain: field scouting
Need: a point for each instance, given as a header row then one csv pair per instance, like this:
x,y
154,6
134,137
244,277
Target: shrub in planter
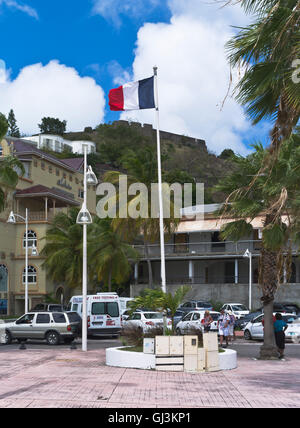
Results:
x,y
132,335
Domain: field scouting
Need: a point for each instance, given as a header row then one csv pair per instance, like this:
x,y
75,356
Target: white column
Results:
x,y
191,271
84,265
26,262
236,271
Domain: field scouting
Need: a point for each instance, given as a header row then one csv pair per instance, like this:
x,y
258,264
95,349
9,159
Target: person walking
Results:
x,y
231,326
207,320
279,328
223,325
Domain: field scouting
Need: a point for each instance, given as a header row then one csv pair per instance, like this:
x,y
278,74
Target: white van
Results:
x,y
124,303
103,313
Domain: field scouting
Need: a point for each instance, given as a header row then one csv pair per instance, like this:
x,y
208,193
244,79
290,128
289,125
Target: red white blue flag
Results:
x,y
133,96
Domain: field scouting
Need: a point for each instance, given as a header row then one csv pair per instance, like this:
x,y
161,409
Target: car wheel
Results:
x,y
7,338
178,332
21,340
52,338
247,335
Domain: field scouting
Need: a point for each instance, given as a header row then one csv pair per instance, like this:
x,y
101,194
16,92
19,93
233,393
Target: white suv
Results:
x,y
238,310
146,320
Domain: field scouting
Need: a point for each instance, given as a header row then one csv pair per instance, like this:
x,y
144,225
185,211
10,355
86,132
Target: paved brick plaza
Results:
x,y
70,378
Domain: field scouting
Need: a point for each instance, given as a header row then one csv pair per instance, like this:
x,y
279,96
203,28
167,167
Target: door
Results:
x,y
23,327
41,325
196,320
257,329
185,325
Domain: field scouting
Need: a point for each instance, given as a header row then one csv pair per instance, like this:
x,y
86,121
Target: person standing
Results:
x,y
279,328
207,320
223,325
231,326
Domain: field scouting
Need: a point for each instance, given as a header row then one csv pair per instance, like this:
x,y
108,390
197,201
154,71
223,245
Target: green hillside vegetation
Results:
x,y
183,159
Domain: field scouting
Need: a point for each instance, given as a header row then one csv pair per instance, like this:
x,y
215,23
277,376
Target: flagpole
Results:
x,y
161,214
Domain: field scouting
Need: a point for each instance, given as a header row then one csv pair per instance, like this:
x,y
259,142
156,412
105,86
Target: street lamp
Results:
x,y
248,255
84,218
34,252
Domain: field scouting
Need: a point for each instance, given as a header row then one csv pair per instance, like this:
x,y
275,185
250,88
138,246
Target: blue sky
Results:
x,y
114,40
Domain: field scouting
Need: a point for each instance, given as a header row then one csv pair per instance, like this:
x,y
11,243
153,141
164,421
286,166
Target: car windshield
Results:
x,y
203,305
239,308
153,315
215,317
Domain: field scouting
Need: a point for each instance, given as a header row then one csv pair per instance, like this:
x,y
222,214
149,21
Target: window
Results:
x,y
196,317
26,319
1,150
32,239
57,172
98,308
35,163
43,319
31,275
136,317
57,308
70,178
43,165
181,243
50,169
103,308
187,317
80,193
217,243
59,318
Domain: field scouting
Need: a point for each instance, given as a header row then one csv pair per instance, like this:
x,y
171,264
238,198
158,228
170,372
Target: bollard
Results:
x,y
73,345
22,346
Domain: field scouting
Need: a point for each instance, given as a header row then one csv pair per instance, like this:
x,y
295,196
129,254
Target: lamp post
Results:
x,y
248,255
12,220
84,218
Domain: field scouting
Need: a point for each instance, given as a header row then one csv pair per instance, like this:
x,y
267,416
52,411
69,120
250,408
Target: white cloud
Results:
x,y
193,73
114,10
13,4
53,90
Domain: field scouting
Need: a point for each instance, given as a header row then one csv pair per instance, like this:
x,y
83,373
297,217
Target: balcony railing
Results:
x,y
202,248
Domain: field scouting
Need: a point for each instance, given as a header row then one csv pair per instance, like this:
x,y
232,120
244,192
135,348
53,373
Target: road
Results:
x,y
245,349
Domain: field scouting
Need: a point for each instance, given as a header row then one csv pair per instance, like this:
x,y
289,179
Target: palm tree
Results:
x,y
63,249
157,300
10,167
109,255
266,49
276,197
142,168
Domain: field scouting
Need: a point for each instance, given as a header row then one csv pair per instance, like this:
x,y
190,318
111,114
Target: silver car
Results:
x,y
50,326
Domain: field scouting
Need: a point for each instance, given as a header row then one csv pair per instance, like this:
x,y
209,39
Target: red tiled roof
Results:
x,y
40,190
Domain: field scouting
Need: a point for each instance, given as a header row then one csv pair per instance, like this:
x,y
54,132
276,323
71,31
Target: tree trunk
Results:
x,y
269,283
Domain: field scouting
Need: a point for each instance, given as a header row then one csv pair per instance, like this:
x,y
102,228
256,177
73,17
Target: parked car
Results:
x,y
147,320
50,326
193,320
239,310
48,307
195,305
178,317
291,307
255,329
242,322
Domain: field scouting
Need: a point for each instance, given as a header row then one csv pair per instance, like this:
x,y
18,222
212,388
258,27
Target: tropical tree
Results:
x,y
276,197
13,130
268,51
110,257
63,249
51,125
10,168
157,300
141,166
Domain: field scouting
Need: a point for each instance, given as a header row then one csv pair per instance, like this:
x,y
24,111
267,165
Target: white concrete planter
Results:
x,y
138,360
135,360
228,359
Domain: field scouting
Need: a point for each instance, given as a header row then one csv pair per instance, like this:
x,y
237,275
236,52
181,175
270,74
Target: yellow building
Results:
x,y
49,185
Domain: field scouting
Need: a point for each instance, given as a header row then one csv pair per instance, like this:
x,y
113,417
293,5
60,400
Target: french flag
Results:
x,y
133,96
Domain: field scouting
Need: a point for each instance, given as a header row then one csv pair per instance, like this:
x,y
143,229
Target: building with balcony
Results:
x,y
56,143
215,269
49,185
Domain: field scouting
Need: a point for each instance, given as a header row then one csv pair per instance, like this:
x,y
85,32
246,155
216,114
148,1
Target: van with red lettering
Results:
x,y
103,313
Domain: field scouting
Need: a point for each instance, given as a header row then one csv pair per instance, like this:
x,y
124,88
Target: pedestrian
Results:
x,y
279,327
223,325
206,321
231,326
